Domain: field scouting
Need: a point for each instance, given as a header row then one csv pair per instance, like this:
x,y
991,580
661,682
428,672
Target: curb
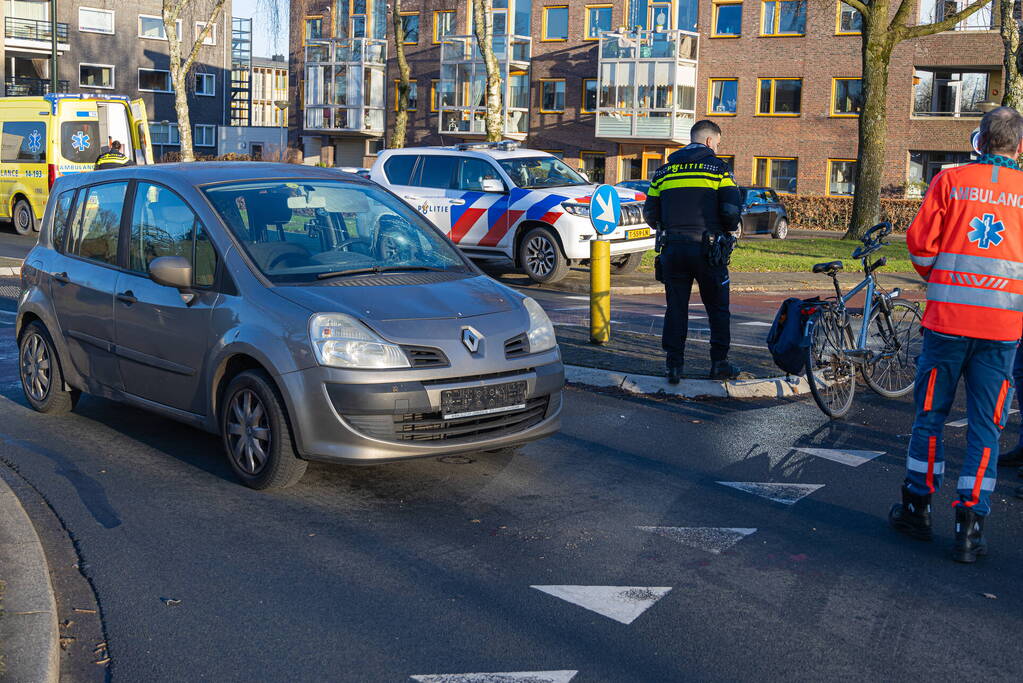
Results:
x,y
9,271
28,627
630,290
648,385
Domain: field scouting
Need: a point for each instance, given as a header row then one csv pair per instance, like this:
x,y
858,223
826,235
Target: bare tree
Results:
x,y
399,134
483,19
1012,90
882,31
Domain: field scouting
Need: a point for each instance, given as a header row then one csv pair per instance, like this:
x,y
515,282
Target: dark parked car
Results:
x,y
762,210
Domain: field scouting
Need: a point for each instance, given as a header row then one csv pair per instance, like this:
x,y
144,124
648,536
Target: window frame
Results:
x,y
582,100
838,20
710,96
583,154
113,21
774,87
138,23
171,125
200,26
564,92
586,18
78,206
113,76
544,25
436,24
203,75
827,178
305,28
205,126
715,5
419,27
757,182
413,83
777,20
434,82
834,97
169,84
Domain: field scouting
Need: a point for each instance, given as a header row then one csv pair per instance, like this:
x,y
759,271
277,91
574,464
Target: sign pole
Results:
x,y
600,291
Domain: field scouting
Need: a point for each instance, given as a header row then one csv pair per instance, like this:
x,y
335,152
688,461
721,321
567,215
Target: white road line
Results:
x,y
757,323
846,457
570,308
711,539
965,421
12,314
503,677
621,603
788,494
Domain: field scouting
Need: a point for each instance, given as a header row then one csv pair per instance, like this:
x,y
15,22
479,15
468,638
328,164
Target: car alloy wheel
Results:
x,y
249,436
36,373
781,229
24,221
541,255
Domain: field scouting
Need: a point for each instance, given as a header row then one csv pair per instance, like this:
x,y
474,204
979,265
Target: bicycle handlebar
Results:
x,y
884,227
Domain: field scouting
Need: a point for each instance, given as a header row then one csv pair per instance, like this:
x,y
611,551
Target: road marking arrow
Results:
x,y
789,494
621,603
846,457
711,539
606,214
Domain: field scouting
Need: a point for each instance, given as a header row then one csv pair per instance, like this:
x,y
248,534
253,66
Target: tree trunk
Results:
x,y
1012,90
178,72
484,30
399,134
873,131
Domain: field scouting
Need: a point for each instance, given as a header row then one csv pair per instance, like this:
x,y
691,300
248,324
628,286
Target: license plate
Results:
x,y
486,400
637,234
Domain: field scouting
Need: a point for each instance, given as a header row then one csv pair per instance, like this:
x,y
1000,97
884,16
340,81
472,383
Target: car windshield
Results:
x,y
303,231
534,172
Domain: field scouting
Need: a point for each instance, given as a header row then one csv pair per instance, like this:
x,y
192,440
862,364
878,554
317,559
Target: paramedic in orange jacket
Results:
x,y
967,242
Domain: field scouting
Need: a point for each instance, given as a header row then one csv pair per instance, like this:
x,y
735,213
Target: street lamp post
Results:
x,y
282,106
53,46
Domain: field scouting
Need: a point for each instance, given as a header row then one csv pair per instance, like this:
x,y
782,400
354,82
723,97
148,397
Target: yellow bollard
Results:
x,y
600,291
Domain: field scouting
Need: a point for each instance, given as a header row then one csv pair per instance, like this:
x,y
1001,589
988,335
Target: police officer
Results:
x,y
693,203
112,158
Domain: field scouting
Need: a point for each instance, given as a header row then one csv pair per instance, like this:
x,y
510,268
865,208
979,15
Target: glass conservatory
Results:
x,y
345,85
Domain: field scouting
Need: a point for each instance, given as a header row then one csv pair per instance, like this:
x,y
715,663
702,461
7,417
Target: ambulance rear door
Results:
x,y
140,133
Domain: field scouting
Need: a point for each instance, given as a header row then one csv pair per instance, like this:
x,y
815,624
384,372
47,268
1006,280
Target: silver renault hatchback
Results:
x,y
301,313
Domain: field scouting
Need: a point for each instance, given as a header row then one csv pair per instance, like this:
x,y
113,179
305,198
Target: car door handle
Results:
x,y
457,202
127,297
62,278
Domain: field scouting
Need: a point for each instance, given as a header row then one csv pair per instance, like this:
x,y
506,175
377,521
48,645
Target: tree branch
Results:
x,y
909,32
218,8
861,7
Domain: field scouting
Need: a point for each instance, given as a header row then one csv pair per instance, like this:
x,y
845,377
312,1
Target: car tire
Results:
x,y
781,229
541,257
42,378
629,263
23,218
256,434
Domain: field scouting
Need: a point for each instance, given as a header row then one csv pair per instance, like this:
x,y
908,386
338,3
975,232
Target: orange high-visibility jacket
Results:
x,y
967,242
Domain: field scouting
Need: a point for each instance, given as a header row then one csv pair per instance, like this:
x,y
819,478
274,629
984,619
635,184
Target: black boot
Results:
x,y
969,535
674,374
722,369
913,516
1013,458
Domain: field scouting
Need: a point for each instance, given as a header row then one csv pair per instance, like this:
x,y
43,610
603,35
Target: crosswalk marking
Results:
x,y
965,421
846,457
711,539
757,323
788,494
621,603
503,677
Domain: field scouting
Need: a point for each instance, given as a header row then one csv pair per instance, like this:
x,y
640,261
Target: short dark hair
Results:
x,y
701,129
1001,129
116,145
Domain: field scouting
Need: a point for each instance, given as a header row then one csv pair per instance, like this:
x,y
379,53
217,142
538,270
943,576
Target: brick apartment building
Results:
x,y
613,85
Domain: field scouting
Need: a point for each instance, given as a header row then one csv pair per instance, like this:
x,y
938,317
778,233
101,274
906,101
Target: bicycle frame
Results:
x,y
870,285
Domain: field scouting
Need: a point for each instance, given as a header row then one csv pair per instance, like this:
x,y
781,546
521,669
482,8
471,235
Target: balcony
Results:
x,y
345,86
14,86
33,33
461,93
647,86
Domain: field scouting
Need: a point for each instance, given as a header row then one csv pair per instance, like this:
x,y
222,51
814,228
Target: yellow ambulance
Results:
x,y
43,138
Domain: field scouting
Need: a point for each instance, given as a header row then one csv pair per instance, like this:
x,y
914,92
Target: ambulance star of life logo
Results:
x,y
80,141
986,231
35,141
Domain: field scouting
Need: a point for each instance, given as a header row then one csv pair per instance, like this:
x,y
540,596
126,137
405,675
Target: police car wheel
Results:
x,y
623,265
781,229
540,256
23,218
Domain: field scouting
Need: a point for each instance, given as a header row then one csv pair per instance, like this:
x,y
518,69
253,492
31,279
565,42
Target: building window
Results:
x,y
779,96
849,22
589,96
594,166
160,134
152,27
555,23
598,19
211,39
777,173
783,17
205,135
410,26
727,20
729,161
443,24
413,95
552,95
846,96
206,84
433,94
841,177
932,11
96,20
923,166
313,28
374,146
96,75
949,93
154,80
724,96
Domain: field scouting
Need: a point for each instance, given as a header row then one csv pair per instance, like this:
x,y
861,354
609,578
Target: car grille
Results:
x,y
632,213
432,426
425,357
516,346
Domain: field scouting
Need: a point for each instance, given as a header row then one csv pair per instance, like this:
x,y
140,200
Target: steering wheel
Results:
x,y
352,240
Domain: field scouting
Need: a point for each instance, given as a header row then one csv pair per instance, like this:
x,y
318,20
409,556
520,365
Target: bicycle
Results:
x,y
885,348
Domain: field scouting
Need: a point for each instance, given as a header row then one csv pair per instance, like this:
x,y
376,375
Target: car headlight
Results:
x,y
576,209
341,341
541,331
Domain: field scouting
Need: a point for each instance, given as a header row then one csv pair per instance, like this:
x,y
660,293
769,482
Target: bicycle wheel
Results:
x,y
896,342
829,372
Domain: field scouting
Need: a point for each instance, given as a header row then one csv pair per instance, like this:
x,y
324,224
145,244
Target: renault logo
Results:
x,y
471,338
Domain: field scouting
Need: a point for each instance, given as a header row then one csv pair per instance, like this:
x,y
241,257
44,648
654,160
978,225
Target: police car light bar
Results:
x,y
503,145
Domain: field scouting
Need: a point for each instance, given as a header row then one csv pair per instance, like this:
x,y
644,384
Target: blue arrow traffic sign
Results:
x,y
605,209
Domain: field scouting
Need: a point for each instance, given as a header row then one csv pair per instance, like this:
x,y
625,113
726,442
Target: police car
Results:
x,y
496,200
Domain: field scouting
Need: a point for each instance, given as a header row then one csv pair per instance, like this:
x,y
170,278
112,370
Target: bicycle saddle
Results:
x,y
829,267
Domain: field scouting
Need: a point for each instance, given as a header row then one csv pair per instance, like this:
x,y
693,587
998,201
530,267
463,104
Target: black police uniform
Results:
x,y
112,159
694,193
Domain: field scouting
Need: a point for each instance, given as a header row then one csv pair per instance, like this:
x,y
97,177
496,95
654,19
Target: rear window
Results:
x,y
23,142
79,141
398,169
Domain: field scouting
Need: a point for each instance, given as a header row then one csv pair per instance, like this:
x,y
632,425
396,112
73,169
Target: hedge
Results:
x,y
809,212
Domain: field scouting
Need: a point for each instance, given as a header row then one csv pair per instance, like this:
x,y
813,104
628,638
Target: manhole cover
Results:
x,y
456,460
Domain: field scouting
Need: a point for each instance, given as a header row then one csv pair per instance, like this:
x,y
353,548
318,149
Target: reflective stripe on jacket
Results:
x,y
693,193
112,160
967,242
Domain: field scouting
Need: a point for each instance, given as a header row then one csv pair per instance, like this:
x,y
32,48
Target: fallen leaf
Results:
x,y
696,422
83,610
474,521
101,662
170,602
990,596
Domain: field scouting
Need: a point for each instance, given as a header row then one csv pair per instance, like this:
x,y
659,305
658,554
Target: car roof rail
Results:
x,y
503,145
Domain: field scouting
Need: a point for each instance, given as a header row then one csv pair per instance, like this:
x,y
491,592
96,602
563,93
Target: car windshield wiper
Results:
x,y
374,270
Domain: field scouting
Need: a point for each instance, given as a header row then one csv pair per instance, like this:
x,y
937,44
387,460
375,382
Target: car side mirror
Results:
x,y
492,185
172,271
